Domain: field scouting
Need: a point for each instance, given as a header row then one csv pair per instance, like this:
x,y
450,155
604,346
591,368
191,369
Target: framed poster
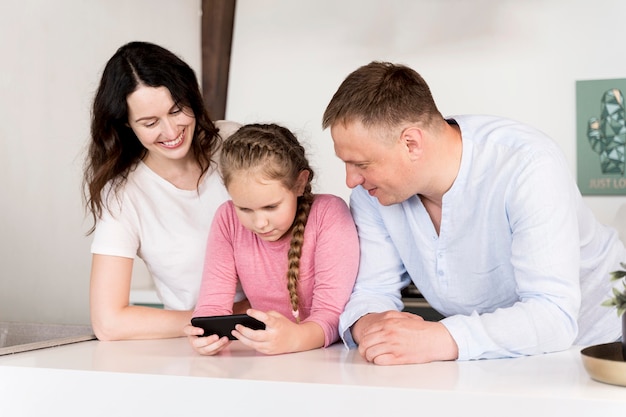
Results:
x,y
601,136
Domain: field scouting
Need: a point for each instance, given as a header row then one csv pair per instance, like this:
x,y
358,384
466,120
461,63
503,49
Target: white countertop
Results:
x,y
166,377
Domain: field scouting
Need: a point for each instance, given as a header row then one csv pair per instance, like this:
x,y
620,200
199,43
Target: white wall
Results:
x,y
52,55
513,58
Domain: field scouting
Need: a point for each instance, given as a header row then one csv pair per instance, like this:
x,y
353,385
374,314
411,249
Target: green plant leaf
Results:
x,y
616,275
619,297
608,303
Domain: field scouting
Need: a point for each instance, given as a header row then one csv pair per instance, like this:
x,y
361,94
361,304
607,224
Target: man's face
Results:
x,y
380,164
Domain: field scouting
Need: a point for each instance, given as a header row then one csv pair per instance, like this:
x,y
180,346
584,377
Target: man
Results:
x,y
481,213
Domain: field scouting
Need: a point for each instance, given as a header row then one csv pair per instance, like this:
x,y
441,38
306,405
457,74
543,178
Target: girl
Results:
x,y
296,254
152,189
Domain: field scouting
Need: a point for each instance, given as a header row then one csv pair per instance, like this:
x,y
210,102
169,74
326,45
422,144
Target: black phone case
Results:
x,y
223,325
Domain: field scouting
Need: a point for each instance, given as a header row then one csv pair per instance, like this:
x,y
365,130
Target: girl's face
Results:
x,y
164,128
263,206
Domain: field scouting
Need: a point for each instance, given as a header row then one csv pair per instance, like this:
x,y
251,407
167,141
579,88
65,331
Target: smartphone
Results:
x,y
224,325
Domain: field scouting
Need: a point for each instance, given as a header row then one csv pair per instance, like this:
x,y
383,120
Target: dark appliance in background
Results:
x,y
414,302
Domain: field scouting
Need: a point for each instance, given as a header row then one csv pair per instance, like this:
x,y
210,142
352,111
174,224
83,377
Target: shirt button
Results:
x,y
440,272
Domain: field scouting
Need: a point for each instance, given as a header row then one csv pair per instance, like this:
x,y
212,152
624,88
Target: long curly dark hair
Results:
x,y
114,149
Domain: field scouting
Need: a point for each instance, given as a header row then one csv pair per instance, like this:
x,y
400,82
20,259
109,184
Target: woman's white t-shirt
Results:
x,y
164,226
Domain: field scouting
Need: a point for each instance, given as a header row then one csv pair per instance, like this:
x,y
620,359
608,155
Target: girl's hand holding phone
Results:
x,y
275,339
209,345
281,335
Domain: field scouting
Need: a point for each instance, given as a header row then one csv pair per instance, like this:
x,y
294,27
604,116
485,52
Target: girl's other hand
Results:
x,y
209,345
278,337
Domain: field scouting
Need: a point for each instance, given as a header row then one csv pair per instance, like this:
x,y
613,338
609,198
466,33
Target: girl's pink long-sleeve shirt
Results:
x,y
328,266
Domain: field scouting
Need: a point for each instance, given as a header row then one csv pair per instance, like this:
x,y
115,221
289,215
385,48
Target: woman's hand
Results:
x,y
112,318
281,335
209,345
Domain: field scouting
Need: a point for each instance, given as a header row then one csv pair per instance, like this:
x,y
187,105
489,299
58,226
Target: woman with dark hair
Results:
x,y
151,187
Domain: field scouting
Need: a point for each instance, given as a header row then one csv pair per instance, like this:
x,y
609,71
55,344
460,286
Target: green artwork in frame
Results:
x,y
601,136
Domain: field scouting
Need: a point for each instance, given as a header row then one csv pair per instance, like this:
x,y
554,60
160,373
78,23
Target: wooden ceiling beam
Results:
x,y
218,17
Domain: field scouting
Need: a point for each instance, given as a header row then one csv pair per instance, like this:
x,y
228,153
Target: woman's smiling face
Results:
x,y
163,127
